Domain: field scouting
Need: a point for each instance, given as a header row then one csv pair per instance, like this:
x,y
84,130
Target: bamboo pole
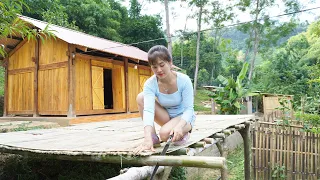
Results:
x,y
182,151
232,130
219,135
209,140
239,126
200,144
223,171
227,132
186,161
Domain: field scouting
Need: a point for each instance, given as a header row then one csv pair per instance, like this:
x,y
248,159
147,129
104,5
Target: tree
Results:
x,y
141,30
137,28
262,27
218,16
50,11
166,7
11,25
93,17
134,9
200,4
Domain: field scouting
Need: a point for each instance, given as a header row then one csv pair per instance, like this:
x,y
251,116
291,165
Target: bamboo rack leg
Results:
x,y
222,154
245,133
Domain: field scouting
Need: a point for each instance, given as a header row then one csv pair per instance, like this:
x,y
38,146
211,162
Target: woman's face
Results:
x,y
161,68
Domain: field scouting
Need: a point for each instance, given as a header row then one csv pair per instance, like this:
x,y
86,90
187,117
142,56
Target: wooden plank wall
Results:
x,y
21,79
53,78
285,153
271,103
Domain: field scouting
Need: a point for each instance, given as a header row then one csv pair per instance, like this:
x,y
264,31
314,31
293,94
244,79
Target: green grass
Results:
x,y
202,95
235,162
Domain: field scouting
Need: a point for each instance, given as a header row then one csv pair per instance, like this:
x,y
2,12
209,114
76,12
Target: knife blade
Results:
x,y
166,147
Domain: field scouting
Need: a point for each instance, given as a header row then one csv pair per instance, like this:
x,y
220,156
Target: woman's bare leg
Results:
x,y
167,128
161,115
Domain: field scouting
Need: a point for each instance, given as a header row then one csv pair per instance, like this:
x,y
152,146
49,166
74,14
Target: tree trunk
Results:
x,y
256,42
197,53
182,41
166,6
249,46
181,62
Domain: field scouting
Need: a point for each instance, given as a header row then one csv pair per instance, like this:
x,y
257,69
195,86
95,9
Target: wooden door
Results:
x,y
143,79
97,88
118,88
133,79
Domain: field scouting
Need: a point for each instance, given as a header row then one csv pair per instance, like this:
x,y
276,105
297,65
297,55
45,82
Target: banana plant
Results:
x,y
230,96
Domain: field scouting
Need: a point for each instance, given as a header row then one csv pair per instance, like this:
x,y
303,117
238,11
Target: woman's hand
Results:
x,y
146,145
177,133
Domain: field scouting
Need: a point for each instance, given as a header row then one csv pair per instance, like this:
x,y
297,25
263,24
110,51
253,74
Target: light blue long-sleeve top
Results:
x,y
177,103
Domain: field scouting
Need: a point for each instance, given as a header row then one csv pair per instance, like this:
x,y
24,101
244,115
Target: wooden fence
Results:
x,y
284,152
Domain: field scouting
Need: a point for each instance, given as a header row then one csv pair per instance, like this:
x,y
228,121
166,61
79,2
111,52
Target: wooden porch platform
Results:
x,y
108,138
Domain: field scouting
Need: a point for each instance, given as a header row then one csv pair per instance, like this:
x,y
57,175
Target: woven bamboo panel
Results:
x,y
285,153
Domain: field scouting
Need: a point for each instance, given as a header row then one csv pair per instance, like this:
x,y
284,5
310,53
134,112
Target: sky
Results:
x,y
179,11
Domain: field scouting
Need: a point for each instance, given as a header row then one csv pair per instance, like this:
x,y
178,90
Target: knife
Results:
x,y
166,147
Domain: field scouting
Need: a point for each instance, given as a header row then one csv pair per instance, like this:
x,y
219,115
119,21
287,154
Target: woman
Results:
x,y
167,99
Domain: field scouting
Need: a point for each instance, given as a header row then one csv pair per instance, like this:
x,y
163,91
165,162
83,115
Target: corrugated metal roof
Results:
x,y
93,42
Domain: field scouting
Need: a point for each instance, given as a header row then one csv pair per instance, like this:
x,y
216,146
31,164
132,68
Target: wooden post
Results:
x,y
71,80
35,80
213,106
5,100
245,133
126,83
223,171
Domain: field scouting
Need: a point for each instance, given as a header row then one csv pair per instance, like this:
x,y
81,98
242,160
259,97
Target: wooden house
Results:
x,y
71,75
